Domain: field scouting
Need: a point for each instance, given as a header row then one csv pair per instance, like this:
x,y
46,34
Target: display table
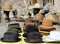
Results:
x,y
22,41
22,38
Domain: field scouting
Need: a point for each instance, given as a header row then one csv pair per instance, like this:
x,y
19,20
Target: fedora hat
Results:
x,y
47,24
10,37
31,28
14,25
46,27
34,37
53,36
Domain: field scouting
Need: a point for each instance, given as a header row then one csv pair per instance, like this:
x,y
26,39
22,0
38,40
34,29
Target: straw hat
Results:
x,y
37,5
47,24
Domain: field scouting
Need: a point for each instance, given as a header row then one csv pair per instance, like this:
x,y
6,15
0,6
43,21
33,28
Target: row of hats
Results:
x,y
33,34
12,33
52,10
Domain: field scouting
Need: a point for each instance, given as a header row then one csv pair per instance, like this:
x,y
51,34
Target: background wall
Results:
x,y
57,4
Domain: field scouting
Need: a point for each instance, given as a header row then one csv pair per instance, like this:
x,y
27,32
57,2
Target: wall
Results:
x,y
57,4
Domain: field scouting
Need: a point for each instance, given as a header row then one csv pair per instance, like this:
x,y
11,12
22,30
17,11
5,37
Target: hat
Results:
x,y
14,25
53,17
29,21
37,5
39,17
10,37
34,37
7,6
54,36
31,28
47,24
13,30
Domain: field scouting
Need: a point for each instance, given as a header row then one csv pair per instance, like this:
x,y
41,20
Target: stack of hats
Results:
x,y
33,37
12,33
46,27
32,34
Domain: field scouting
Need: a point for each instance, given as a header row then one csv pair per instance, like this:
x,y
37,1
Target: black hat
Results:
x,y
15,25
10,37
34,37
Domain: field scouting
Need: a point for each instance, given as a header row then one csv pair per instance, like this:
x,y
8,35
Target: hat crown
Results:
x,y
39,17
47,23
37,5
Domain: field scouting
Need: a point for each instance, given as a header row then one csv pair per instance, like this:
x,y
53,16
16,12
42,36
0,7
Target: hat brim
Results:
x,y
48,39
26,40
2,39
47,27
32,7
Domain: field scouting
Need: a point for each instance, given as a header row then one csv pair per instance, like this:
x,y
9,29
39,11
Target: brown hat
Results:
x,y
47,24
39,17
28,21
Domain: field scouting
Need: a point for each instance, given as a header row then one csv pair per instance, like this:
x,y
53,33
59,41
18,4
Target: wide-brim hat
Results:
x,y
47,24
10,37
33,40
37,5
47,27
4,40
54,36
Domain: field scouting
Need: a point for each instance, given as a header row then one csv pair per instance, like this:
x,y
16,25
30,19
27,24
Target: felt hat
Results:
x,y
10,37
46,27
47,24
14,25
39,17
34,37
